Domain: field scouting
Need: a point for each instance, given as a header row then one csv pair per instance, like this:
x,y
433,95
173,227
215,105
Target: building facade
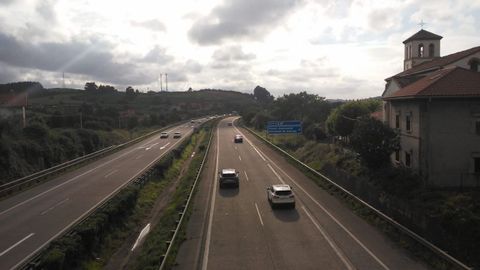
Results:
x,y
435,106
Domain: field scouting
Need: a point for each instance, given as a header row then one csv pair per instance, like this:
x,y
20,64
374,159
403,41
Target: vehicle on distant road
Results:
x,y
229,177
163,135
280,195
177,135
230,124
238,138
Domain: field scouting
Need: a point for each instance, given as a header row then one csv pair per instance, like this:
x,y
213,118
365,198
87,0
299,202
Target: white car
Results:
x,y
280,195
163,135
228,177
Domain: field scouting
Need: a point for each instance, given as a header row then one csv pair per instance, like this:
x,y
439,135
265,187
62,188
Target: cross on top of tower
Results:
x,y
422,24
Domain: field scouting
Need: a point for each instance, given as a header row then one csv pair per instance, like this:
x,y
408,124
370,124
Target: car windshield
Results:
x,y
229,175
283,192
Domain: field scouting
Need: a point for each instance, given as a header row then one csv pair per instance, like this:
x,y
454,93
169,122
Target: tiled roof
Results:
x,y
449,82
439,62
423,35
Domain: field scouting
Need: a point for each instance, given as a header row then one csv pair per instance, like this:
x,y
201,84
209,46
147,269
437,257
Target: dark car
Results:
x,y
238,138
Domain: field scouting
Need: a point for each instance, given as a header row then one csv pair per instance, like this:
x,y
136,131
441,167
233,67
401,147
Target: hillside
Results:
x,y
63,124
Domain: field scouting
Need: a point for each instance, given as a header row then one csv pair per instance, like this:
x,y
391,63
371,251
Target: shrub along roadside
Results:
x,y
155,244
437,262
121,213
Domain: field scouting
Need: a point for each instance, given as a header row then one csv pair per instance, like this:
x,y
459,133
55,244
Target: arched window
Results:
x,y
474,63
420,50
431,50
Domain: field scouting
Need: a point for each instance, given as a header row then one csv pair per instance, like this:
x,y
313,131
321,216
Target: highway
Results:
x,y
237,228
31,219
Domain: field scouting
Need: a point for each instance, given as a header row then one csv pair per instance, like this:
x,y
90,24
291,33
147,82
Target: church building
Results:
x,y
434,104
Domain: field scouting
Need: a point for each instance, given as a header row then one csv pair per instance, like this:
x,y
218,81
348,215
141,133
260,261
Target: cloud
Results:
x,y
241,19
157,55
232,53
154,25
46,10
93,59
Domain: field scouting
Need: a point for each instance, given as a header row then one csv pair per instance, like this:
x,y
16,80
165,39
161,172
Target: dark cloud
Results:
x,y
154,25
7,74
157,55
248,19
92,59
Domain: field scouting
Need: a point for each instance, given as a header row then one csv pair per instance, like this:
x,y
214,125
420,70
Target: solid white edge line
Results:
x,y
258,212
16,244
333,218
93,207
212,205
332,244
323,208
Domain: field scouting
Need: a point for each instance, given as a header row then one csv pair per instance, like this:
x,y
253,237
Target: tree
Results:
x,y
91,87
342,119
107,89
130,91
262,95
374,141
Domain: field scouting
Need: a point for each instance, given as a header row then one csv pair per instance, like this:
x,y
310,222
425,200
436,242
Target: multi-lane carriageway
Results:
x,y
29,220
228,229
237,229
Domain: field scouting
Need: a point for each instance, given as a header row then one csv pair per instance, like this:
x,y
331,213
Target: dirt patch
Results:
x,y
124,255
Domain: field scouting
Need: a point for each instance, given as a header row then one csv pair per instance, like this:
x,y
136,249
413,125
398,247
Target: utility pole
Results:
x,y
161,86
63,80
166,82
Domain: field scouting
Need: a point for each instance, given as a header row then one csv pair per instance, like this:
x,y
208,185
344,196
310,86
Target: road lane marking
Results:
x,y
333,218
16,244
91,208
142,234
246,175
163,147
110,173
150,147
212,205
276,174
239,157
259,216
53,207
251,144
319,205
139,156
330,241
66,182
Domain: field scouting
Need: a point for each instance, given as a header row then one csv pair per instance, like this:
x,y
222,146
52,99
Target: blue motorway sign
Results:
x,y
284,127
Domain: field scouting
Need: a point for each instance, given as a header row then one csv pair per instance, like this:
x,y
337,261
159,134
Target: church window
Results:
x,y
431,50
420,50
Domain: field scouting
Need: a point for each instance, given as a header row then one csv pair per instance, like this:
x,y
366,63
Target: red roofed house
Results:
x,y
435,105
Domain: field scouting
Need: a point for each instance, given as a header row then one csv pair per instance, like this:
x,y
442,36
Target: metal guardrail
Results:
x,y
436,250
32,262
18,184
187,204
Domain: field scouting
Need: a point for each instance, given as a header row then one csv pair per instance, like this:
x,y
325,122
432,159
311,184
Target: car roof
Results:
x,y
281,187
238,135
227,171
177,132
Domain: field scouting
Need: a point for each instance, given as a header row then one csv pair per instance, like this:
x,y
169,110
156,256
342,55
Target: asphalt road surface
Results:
x,y
31,219
237,228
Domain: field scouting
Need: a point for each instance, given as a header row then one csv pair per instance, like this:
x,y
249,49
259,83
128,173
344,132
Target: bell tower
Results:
x,y
423,46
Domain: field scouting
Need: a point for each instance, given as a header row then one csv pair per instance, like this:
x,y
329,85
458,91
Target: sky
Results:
x,y
338,49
